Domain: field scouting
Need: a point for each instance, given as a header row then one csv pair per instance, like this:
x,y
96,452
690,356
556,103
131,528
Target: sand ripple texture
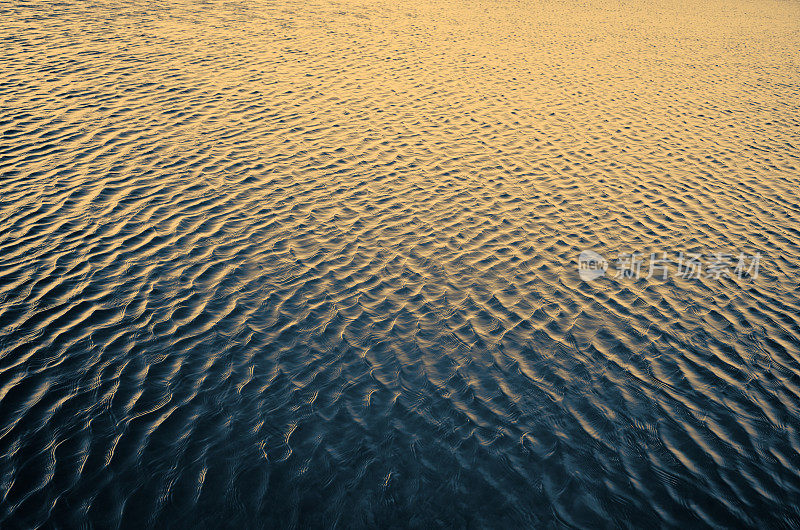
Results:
x,y
313,264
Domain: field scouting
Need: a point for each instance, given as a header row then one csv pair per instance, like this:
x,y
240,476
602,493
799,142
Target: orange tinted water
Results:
x,y
280,263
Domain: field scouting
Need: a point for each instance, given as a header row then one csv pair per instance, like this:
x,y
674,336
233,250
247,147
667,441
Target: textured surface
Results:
x,y
279,263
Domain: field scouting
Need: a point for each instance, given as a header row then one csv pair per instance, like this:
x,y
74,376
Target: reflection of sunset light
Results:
x,y
361,263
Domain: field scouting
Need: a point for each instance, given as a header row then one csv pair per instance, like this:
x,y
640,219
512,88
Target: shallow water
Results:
x,y
289,264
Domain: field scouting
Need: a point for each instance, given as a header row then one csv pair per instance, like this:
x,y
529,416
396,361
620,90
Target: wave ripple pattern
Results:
x,y
273,263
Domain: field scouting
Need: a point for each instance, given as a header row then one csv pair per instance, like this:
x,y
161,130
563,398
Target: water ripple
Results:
x,y
284,264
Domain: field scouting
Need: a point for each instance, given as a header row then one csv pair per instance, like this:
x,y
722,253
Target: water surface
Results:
x,y
280,263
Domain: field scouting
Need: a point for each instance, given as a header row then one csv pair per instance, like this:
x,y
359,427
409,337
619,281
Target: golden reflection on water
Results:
x,y
315,263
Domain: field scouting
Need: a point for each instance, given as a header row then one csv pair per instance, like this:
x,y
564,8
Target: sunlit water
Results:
x,y
274,263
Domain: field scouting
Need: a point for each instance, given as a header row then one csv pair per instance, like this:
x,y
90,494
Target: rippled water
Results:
x,y
275,263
